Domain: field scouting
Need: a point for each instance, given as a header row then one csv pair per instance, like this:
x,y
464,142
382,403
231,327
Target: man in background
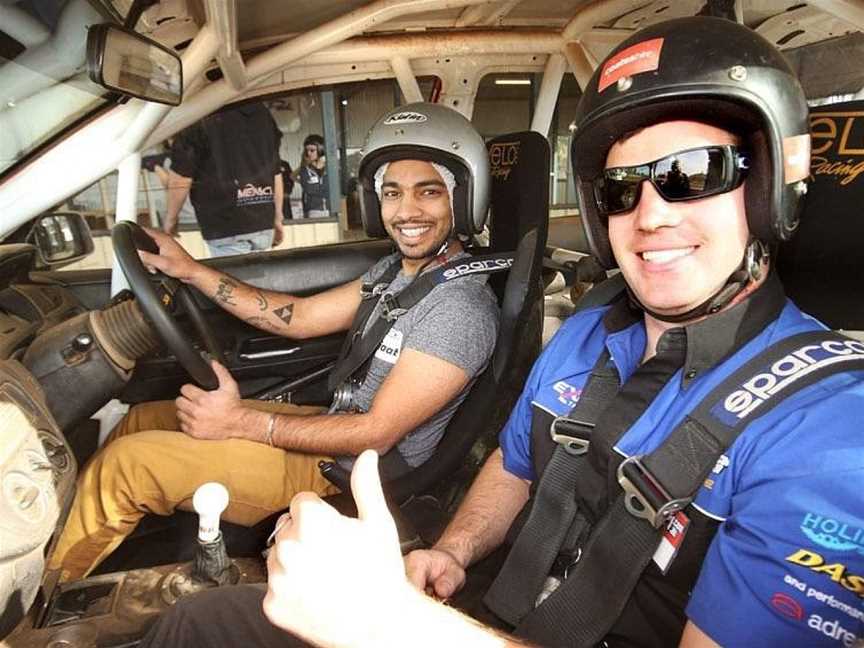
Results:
x,y
228,164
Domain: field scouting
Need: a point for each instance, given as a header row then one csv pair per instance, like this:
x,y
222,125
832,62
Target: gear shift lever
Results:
x,y
211,563
209,501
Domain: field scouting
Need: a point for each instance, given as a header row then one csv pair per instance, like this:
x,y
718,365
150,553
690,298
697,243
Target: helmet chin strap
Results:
x,y
747,272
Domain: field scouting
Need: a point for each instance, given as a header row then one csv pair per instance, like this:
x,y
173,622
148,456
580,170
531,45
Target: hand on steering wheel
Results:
x,y
127,238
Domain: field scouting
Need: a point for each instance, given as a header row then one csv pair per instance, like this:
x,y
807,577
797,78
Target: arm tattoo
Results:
x,y
224,292
284,313
262,300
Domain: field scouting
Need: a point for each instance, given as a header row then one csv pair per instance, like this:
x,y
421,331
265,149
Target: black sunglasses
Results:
x,y
685,175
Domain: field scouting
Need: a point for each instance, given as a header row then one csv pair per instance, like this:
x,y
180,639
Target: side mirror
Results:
x,y
61,238
127,62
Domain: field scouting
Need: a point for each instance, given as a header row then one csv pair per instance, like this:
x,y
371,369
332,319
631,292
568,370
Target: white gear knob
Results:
x,y
209,501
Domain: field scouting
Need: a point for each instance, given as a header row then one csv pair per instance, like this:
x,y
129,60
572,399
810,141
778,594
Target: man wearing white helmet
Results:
x,y
688,457
424,183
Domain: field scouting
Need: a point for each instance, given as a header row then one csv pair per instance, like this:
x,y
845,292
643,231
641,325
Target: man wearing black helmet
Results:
x,y
709,430
394,393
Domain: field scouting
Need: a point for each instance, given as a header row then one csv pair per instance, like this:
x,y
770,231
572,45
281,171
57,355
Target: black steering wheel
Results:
x,y
127,238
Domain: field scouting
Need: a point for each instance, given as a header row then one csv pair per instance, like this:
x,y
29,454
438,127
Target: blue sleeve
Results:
x,y
787,565
515,437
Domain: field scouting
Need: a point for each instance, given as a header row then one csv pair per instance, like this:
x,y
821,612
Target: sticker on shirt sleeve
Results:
x,y
390,347
639,58
567,394
670,543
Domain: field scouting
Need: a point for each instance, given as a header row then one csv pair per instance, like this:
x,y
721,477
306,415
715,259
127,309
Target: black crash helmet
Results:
x,y
701,69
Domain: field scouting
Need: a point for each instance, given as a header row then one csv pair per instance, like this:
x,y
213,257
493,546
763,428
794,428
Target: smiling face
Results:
x,y
415,209
675,256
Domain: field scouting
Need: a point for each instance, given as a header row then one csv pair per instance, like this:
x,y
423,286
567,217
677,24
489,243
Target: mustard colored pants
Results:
x,y
148,466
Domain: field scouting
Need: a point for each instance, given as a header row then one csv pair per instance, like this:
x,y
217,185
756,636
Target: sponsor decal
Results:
x,y
796,157
719,467
838,572
787,606
838,144
826,599
831,629
756,390
567,394
405,117
833,534
474,267
670,543
642,57
251,194
390,347
503,156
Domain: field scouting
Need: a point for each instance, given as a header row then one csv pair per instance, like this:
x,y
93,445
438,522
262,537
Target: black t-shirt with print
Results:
x,y
232,157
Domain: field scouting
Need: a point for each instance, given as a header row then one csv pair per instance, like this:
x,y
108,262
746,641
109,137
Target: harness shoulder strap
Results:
x,y
553,508
656,486
368,294
360,347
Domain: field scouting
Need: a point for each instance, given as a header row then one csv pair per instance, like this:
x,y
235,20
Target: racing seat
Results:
x,y
518,222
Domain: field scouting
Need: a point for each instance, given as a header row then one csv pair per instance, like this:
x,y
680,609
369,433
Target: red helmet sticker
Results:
x,y
641,57
796,158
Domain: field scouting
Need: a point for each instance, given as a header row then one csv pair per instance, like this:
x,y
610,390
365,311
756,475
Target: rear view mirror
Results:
x,y
129,63
61,238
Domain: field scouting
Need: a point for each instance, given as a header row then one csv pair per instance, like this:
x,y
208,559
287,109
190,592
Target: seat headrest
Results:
x,y
822,266
519,165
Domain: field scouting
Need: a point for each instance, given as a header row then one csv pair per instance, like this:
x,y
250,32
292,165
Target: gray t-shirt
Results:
x,y
457,322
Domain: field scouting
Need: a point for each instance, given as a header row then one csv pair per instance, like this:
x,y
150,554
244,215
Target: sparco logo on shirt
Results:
x,y
774,379
405,117
474,267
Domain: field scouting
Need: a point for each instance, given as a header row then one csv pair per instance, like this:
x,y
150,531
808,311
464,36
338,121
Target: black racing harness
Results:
x,y
568,578
363,340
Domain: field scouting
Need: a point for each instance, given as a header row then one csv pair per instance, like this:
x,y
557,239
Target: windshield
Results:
x,y
43,72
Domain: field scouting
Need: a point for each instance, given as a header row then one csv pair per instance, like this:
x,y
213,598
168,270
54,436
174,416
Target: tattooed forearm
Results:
x,y
224,291
262,300
263,323
284,313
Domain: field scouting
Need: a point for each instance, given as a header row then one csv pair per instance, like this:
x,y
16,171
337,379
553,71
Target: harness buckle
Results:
x,y
390,309
644,496
573,435
367,291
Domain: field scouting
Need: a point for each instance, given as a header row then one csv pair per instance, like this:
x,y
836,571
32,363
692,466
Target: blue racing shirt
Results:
x,y
786,564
